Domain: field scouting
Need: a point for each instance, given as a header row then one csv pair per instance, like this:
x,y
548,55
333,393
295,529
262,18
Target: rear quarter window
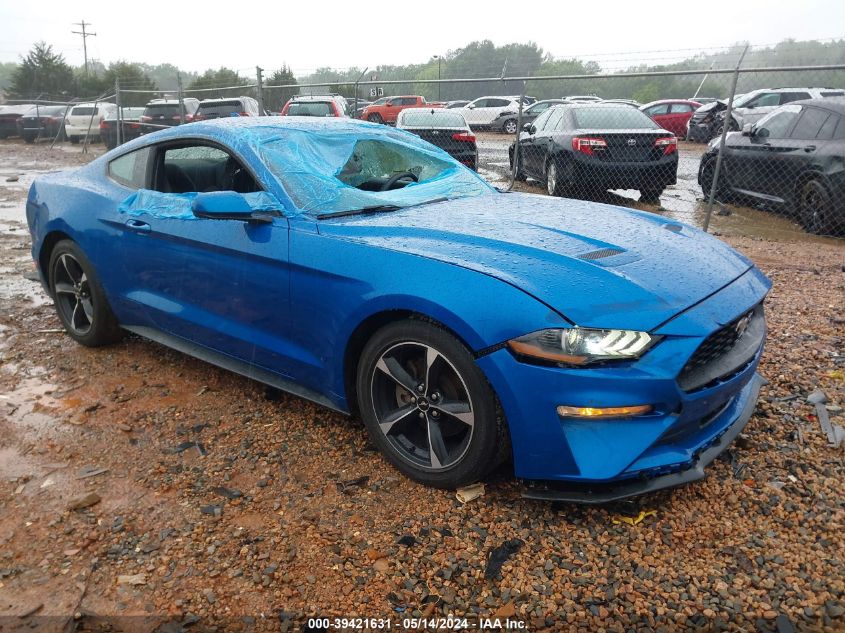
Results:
x,y
130,170
84,111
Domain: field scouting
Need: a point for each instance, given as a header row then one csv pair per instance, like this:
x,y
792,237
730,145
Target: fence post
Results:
x,y
260,81
90,123
118,117
515,166
718,168
181,98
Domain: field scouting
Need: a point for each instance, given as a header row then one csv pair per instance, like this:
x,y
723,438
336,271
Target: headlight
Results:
x,y
582,346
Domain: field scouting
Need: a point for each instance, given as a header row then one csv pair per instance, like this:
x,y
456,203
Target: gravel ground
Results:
x,y
139,486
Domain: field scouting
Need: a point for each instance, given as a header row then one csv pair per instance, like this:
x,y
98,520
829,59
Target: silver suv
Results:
x,y
754,105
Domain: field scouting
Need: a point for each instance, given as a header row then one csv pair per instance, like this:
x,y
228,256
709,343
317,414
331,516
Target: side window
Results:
x,y
789,97
130,170
480,103
201,168
810,123
840,129
538,109
829,127
540,123
833,93
663,108
497,103
681,108
554,118
778,123
764,100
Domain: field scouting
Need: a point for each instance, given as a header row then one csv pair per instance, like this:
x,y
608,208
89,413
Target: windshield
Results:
x,y
422,118
741,100
330,172
611,118
310,108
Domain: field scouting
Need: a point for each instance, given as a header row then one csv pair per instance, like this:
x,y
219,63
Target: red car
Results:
x,y
671,114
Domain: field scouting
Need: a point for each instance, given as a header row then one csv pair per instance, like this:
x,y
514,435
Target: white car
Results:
x,y
84,120
754,105
484,110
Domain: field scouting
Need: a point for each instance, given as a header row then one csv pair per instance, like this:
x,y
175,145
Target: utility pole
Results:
x,y
181,96
85,35
260,81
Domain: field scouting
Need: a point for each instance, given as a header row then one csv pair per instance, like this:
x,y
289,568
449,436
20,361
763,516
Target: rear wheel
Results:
x,y
817,208
510,126
427,405
80,300
74,140
555,185
375,118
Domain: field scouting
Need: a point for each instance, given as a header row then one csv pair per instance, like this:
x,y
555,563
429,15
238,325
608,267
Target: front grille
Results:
x,y
725,352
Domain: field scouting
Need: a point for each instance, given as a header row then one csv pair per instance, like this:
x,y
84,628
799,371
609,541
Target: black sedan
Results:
x,y
448,130
43,121
790,160
9,117
506,121
584,148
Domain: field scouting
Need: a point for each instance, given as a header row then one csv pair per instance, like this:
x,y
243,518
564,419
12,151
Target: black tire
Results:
x,y
817,208
375,118
445,434
509,126
707,172
555,178
79,297
74,140
519,175
29,140
651,196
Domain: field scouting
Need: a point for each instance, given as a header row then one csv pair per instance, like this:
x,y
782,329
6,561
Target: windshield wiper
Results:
x,y
377,208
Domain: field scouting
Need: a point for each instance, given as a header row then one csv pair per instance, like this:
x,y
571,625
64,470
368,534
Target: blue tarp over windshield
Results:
x,y
322,169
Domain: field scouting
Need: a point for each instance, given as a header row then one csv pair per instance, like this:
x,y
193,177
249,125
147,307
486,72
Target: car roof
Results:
x,y
834,104
661,101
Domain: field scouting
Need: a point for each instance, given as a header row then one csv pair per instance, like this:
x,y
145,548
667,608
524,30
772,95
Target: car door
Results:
x,y
529,150
659,113
804,148
753,164
220,284
474,111
494,107
680,114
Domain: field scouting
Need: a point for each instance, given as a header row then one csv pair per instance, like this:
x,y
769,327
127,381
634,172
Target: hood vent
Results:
x,y
601,253
675,228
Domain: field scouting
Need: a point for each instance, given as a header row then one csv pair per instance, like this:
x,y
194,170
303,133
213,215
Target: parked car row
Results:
x,y
790,160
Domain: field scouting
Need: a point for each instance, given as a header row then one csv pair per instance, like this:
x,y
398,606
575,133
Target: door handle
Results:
x,y
137,225
810,148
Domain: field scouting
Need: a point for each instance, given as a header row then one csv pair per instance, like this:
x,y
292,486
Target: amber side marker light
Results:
x,y
608,412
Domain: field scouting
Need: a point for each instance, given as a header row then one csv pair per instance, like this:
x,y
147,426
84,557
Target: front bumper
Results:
x,y
605,493
699,132
601,455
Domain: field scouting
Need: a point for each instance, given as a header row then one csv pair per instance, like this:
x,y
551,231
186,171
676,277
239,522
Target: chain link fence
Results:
x,y
756,150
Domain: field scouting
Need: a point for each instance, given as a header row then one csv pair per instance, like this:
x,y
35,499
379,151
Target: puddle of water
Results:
x,y
30,406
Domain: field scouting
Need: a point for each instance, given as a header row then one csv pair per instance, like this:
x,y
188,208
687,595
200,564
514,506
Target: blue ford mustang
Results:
x,y
607,351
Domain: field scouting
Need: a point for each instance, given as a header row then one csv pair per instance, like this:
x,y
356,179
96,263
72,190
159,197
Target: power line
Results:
x,y
85,35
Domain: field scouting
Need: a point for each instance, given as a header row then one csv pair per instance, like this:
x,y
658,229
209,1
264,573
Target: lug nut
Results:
x,y
421,388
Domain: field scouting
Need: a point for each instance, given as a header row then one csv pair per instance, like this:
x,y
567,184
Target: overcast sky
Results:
x,y
307,35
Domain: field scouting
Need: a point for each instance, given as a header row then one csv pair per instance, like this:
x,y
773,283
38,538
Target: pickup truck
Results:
x,y
387,111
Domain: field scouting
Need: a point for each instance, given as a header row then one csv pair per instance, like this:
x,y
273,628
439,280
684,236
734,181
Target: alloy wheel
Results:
x,y
73,294
422,406
551,178
510,126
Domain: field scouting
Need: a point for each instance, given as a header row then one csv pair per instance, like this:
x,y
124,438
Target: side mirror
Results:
x,y
528,127
230,205
748,129
470,106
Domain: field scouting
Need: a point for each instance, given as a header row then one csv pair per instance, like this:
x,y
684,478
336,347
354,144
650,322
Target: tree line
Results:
x,y
44,74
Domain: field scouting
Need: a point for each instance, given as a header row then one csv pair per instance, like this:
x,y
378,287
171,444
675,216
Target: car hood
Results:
x,y
598,265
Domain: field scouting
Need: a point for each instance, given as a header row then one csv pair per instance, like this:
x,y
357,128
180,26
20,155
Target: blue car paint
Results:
x,y
287,296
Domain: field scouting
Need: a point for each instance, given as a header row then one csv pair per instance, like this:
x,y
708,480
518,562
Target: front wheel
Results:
x,y
510,126
816,207
375,118
80,300
427,405
74,140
